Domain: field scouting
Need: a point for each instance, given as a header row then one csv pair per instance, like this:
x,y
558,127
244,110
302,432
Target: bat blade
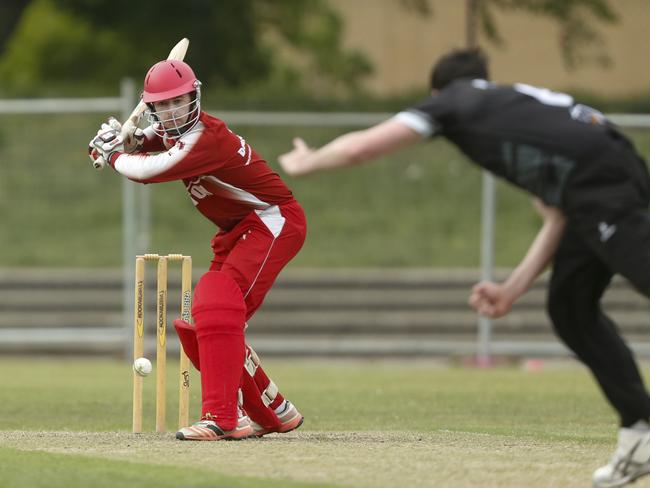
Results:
x,y
179,50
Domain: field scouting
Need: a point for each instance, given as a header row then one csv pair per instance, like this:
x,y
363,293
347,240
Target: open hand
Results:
x,y
293,162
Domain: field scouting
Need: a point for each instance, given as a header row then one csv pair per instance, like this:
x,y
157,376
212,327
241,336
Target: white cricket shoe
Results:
x,y
290,419
207,429
631,460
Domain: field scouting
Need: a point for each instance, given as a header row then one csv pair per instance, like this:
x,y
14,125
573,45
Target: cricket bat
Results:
x,y
176,54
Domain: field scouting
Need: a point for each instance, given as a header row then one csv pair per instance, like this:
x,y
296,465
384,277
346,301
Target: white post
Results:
x,y
487,263
129,231
144,218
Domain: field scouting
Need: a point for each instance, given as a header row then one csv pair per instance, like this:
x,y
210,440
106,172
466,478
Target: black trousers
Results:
x,y
608,232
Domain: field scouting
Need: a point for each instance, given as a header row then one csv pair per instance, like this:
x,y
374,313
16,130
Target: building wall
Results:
x,y
403,45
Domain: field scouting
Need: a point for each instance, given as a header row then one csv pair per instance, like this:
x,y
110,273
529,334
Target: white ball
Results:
x,y
142,366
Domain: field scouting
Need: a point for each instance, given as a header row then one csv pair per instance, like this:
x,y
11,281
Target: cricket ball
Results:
x,y
142,366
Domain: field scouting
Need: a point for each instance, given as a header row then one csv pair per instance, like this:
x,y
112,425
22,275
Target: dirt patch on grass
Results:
x,y
364,459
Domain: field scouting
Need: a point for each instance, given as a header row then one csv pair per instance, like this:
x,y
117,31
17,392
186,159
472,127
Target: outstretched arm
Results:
x,y
351,148
496,299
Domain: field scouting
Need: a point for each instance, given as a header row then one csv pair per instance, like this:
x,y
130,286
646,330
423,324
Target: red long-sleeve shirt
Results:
x,y
225,178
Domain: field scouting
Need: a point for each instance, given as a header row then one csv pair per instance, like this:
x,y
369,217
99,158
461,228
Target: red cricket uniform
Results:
x,y
262,227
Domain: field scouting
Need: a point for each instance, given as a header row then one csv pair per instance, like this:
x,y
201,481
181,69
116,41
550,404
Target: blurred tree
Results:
x,y
579,41
10,12
233,42
420,6
312,31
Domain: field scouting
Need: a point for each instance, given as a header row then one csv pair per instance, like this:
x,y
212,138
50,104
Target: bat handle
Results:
x,y
128,128
99,163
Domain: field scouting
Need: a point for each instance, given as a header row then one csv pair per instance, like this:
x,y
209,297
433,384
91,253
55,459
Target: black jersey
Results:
x,y
535,138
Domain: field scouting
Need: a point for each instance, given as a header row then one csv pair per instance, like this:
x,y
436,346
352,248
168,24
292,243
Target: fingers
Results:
x,y
107,138
134,140
114,124
294,162
480,293
105,134
288,163
105,142
484,299
482,306
113,143
489,311
95,157
474,299
300,144
483,286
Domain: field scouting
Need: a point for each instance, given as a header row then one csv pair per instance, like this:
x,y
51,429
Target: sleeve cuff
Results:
x,y
113,157
417,121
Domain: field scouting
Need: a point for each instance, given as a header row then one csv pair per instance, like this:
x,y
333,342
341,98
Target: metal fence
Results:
x,y
135,200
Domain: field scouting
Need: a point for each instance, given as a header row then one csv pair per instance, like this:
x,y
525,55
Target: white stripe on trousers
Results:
x,y
274,221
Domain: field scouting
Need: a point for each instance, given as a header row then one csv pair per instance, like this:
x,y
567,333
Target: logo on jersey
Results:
x,y
606,231
587,115
197,191
242,150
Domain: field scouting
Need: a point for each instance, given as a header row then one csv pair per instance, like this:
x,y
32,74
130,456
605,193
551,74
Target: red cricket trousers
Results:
x,y
252,253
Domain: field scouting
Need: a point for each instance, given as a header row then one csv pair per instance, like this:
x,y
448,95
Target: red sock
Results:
x,y
259,406
219,313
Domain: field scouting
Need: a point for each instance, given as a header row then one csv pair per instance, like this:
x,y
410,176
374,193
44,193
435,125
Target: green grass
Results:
x,y
17,470
419,208
96,396
367,424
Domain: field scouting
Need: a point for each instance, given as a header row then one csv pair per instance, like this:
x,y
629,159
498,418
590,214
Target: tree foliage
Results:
x,y
233,42
579,40
10,13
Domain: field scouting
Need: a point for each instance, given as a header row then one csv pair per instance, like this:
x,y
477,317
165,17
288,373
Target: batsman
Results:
x,y
261,227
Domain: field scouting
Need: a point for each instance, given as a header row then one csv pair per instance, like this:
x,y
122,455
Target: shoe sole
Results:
x,y
181,437
625,481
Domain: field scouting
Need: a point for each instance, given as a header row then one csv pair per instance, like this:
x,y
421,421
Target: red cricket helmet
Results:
x,y
168,79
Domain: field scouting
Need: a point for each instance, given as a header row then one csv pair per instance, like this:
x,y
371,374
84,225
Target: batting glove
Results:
x,y
134,137
108,143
